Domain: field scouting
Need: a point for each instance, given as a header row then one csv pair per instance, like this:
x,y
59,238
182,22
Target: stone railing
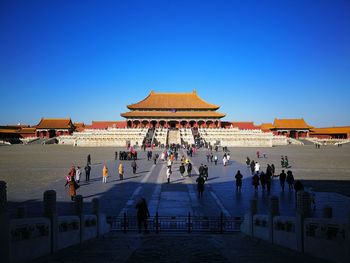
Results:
x,y
327,141
161,135
294,141
24,239
187,136
236,137
105,137
326,237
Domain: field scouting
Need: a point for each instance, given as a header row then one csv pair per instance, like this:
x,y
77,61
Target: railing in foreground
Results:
x,y
220,224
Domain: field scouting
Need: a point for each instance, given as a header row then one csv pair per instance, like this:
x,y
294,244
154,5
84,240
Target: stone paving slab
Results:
x,y
135,248
32,169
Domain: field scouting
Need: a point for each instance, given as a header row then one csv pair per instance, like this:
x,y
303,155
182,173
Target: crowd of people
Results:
x,y
260,179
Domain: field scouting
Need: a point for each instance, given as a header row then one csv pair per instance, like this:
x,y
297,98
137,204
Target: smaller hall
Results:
x,y
173,110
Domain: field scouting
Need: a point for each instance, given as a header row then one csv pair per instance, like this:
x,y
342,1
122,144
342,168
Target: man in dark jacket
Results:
x,y
283,177
87,172
134,166
142,214
182,169
200,186
189,169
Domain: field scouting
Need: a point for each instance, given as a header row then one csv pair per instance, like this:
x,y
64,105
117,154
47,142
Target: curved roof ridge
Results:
x,y
168,100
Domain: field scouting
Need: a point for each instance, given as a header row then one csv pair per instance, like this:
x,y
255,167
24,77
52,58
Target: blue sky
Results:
x,y
257,59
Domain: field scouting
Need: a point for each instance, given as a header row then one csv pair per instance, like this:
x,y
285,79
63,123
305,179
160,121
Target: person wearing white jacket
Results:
x,y
257,167
168,173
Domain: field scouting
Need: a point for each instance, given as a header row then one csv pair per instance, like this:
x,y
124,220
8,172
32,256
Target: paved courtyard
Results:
x,y
29,170
134,248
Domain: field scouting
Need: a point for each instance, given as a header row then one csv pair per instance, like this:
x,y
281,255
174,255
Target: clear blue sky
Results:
x,y
257,59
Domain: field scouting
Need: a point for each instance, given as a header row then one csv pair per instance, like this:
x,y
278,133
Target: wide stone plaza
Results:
x,y
29,170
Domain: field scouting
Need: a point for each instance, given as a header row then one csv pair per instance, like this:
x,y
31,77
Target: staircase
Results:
x,y
186,136
174,137
149,137
160,136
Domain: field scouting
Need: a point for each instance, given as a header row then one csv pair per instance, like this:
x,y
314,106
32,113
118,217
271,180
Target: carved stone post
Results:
x,y
5,238
347,234
303,211
274,211
21,212
79,209
97,213
50,211
253,205
327,212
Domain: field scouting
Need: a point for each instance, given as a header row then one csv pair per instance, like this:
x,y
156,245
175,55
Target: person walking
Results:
x,y
262,177
282,161
206,172
286,162
182,169
89,159
169,163
72,186
290,180
121,171
247,161
134,166
201,169
189,169
78,174
273,170
252,166
216,159
238,177
257,167
224,160
255,182
87,172
200,186
211,157
283,177
104,173
228,157
168,174
208,157
155,158
268,182
142,214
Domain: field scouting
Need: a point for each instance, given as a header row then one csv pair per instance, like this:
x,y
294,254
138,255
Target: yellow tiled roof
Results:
x,y
27,130
331,130
176,114
266,126
291,124
157,100
46,123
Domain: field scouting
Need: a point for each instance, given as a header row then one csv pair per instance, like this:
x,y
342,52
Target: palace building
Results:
x,y
173,118
173,110
48,128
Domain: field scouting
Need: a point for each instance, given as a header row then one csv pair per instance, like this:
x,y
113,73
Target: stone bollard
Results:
x,y
79,209
50,211
97,213
253,208
5,237
274,211
347,234
21,212
327,211
303,211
